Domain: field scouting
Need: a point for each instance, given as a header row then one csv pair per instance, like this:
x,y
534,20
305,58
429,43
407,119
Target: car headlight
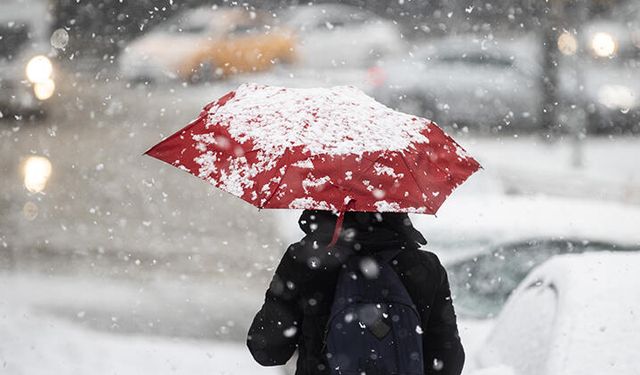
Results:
x,y
603,44
39,69
617,97
45,89
37,170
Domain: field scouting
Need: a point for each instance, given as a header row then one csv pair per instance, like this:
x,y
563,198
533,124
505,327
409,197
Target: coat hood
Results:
x,y
369,230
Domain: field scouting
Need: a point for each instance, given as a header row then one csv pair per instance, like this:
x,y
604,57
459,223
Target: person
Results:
x,y
298,301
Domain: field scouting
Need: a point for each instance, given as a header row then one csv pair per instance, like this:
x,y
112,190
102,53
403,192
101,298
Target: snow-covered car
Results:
x,y
466,81
483,283
575,314
338,35
27,73
607,83
207,43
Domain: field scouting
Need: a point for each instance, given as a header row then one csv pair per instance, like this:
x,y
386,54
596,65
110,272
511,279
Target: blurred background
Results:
x,y
111,262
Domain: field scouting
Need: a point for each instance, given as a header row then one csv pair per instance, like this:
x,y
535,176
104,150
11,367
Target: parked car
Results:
x,y
608,84
466,81
337,35
207,43
576,314
27,73
483,283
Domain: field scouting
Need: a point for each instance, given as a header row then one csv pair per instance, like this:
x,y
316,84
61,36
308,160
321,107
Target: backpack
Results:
x,y
374,327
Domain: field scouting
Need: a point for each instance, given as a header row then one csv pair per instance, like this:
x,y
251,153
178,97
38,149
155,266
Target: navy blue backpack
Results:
x,y
374,327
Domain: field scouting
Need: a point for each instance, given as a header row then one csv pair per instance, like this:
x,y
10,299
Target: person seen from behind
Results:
x,y
374,303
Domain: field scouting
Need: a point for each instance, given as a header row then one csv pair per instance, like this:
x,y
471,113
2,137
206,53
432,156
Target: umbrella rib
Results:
x,y
416,181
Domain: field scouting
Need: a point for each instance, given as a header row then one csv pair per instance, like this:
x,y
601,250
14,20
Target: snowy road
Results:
x,y
80,325
34,344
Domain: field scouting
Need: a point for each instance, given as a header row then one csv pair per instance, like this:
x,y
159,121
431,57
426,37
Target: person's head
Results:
x,y
359,223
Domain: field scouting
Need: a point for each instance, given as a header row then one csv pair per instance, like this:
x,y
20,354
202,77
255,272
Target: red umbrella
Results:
x,y
328,149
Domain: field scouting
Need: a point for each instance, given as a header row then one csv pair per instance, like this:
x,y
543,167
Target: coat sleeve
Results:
x,y
444,354
273,335
304,274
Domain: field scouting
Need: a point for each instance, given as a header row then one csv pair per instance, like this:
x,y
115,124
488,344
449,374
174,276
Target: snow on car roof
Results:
x,y
216,18
303,16
598,313
522,49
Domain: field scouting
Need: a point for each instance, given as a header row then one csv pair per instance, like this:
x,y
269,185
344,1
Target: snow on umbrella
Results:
x,y
321,148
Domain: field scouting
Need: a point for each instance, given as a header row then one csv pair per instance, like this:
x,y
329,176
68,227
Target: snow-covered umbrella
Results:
x,y
320,148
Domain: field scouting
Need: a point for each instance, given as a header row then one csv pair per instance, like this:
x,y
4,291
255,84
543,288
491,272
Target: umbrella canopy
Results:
x,y
321,148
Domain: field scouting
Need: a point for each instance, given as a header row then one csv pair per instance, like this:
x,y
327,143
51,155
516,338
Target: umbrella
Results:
x,y
319,148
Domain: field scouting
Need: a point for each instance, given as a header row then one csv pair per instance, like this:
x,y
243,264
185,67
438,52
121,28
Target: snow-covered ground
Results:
x,y
79,325
34,344
70,325
607,168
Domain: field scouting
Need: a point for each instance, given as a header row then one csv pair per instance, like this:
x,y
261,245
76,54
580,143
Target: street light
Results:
x,y
603,44
37,170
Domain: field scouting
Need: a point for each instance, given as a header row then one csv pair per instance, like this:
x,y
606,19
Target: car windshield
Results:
x,y
13,37
481,285
242,29
476,59
326,17
188,23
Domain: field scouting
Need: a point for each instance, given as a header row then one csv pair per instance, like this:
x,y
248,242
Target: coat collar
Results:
x,y
362,230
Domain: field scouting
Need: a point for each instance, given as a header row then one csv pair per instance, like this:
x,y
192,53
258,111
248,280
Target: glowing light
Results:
x,y
45,89
37,170
567,43
39,69
603,44
617,97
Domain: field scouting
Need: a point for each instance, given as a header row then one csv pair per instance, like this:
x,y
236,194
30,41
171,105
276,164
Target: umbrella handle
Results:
x,y
338,228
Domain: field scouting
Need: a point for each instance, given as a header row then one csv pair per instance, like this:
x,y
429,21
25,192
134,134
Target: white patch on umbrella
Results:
x,y
314,182
416,210
383,169
367,185
306,163
310,203
384,206
207,162
202,140
462,154
335,121
235,179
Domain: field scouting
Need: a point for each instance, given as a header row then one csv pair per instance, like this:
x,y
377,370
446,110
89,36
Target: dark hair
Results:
x,y
324,223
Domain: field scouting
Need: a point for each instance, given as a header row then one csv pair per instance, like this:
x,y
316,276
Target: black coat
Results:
x,y
298,301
